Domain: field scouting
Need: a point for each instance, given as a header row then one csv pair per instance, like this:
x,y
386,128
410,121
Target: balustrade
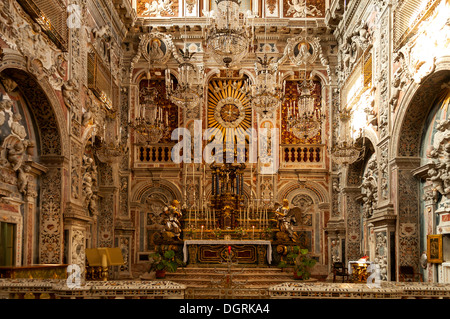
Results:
x,y
309,154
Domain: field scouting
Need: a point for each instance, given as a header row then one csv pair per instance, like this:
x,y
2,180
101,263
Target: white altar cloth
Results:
x,y
227,242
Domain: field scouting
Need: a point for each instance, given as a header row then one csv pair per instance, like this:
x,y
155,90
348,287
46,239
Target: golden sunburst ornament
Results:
x,y
228,106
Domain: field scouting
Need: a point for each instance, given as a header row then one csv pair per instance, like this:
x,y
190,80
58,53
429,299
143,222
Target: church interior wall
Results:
x,y
81,93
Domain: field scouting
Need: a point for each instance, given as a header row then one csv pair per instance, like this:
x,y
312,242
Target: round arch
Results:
x,y
316,191
407,133
49,113
413,111
142,189
46,105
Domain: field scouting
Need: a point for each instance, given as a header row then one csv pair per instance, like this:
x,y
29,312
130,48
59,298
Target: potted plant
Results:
x,y
303,263
282,264
165,262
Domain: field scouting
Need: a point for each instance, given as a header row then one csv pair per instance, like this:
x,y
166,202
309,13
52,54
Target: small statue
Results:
x,y
285,221
172,222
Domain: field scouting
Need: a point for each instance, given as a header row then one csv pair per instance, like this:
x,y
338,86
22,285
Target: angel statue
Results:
x,y
285,222
172,219
157,7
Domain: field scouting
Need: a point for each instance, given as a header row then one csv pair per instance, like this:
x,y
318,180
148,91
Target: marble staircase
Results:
x,y
229,283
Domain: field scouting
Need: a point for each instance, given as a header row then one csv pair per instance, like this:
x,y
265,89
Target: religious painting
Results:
x,y
303,50
434,249
156,47
157,8
303,9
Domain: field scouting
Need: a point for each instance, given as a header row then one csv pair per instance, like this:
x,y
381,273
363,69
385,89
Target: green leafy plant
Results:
x,y
302,261
217,232
167,261
239,231
189,232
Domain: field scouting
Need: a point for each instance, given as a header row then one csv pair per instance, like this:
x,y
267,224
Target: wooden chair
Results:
x,y
407,273
339,269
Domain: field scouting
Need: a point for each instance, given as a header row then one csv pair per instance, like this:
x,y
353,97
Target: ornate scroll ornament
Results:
x,y
354,46
381,252
271,6
44,60
190,5
415,65
369,188
78,248
303,49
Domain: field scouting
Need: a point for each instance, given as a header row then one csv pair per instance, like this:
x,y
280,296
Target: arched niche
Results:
x,y
309,203
148,200
410,123
44,119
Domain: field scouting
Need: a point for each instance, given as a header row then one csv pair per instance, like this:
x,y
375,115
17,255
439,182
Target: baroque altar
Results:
x,y
255,235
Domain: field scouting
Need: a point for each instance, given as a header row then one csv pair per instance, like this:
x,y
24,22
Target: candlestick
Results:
x,y
190,215
240,217
253,231
201,234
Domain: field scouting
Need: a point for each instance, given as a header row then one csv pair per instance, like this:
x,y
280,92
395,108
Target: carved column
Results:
x,y
406,205
77,219
353,223
383,77
51,217
29,213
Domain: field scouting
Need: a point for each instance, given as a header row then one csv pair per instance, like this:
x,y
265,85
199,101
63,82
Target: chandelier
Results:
x,y
188,91
151,124
346,151
110,152
304,120
227,37
109,149
267,93
152,120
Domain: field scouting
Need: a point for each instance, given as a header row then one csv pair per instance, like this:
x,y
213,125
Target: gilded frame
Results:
x,y
434,249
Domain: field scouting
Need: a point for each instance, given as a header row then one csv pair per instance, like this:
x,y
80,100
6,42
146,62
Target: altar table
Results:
x,y
358,270
228,243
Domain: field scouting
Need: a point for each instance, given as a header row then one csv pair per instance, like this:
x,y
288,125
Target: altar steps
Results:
x,y
205,283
